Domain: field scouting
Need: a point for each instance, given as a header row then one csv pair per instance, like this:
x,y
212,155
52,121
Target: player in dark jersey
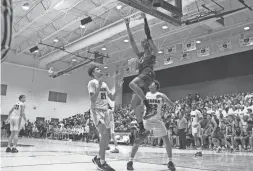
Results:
x,y
140,84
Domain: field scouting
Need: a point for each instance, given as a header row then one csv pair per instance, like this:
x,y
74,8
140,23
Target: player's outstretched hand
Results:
x,y
143,15
127,21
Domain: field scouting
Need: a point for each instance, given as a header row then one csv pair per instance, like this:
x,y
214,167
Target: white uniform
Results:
x,y
15,117
195,115
99,109
155,123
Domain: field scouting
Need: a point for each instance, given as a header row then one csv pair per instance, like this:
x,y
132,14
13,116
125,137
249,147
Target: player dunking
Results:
x,y
99,94
15,115
139,85
155,123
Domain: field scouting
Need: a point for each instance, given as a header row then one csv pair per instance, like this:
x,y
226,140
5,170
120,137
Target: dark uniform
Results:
x,y
146,71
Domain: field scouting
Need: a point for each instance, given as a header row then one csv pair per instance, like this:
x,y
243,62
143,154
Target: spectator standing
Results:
x,y
182,129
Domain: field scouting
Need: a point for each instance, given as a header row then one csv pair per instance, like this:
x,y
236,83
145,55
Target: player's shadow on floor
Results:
x,y
5,144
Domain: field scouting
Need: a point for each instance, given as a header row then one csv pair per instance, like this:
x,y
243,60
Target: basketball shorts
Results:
x,y
196,130
157,126
14,123
100,116
147,75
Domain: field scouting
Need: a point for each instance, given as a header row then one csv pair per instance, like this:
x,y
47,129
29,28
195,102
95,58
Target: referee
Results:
x,y
6,17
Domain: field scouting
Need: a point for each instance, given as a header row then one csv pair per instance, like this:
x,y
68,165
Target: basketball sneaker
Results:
x,y
108,148
106,167
14,150
115,151
198,154
8,150
218,150
96,161
130,165
171,166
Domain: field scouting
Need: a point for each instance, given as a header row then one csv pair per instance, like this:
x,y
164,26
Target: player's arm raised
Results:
x,y
131,38
148,34
94,91
118,84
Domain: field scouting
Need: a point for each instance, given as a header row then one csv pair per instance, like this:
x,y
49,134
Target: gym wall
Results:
x,y
36,84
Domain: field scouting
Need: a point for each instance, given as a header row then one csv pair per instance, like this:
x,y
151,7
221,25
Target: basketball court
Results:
x,y
54,155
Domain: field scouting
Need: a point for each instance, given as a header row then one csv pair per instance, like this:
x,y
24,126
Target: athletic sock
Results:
x,y
102,161
170,158
98,156
8,146
131,159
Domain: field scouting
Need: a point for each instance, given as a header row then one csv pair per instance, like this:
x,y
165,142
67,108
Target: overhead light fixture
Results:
x,y
58,4
26,6
56,40
103,48
73,60
198,41
105,67
119,7
165,27
126,40
34,49
160,52
246,28
82,26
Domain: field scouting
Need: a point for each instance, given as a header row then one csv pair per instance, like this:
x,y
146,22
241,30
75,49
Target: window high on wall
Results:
x,y
3,89
57,97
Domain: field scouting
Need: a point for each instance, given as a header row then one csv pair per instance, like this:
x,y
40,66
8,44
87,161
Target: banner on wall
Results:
x,y
189,46
185,56
203,51
225,46
171,50
168,60
246,41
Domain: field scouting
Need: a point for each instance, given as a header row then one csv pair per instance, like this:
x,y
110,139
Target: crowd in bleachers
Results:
x,y
225,109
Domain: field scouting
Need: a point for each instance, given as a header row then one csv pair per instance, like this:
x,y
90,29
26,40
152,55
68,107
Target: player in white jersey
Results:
x,y
15,115
155,123
99,94
112,126
196,117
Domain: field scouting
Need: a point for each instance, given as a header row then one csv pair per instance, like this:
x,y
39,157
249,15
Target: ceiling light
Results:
x,y
165,27
198,41
56,40
82,26
160,51
74,60
126,40
246,28
105,67
103,48
26,6
58,4
119,7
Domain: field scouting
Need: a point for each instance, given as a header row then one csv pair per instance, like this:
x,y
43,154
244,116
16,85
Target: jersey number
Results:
x,y
103,96
16,107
